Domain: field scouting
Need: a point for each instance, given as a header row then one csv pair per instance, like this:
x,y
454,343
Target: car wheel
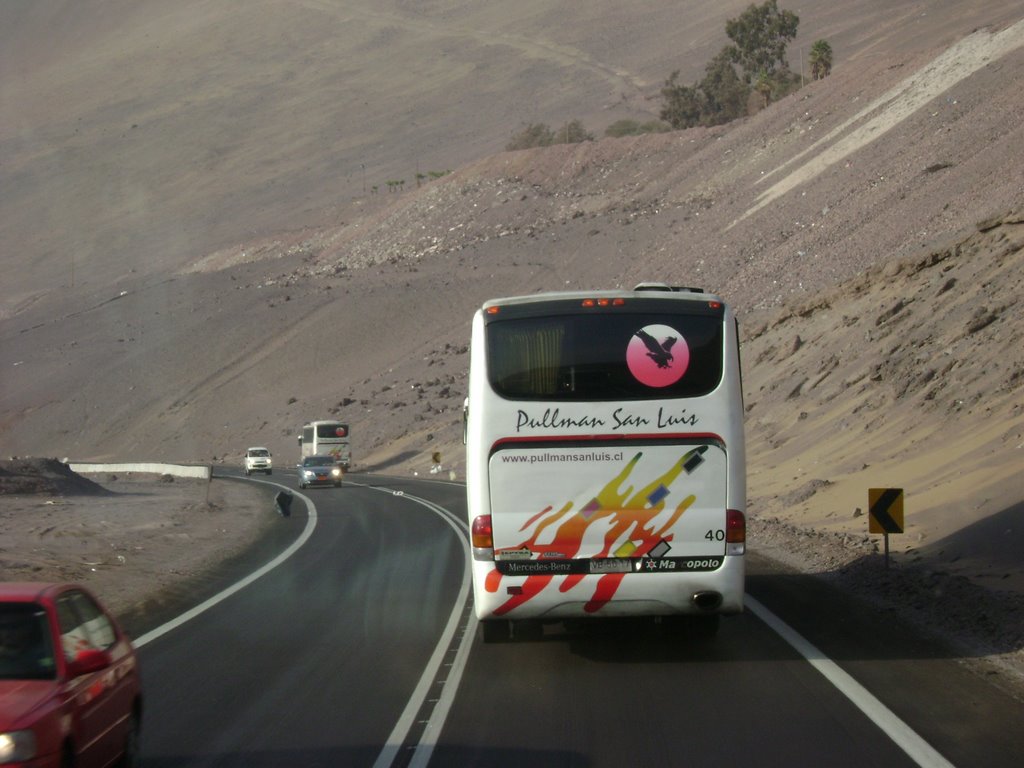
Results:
x,y
302,486
130,756
247,473
270,471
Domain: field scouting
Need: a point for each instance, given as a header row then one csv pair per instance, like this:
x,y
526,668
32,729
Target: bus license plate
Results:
x,y
611,565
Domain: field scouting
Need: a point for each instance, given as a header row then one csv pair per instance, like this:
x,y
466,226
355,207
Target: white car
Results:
x,y
258,459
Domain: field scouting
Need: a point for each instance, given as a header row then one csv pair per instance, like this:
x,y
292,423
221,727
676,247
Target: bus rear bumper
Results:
x,y
592,596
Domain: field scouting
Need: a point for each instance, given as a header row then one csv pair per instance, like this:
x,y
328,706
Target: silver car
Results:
x,y
320,470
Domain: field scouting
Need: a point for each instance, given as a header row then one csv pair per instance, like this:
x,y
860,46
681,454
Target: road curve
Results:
x,y
321,662
314,662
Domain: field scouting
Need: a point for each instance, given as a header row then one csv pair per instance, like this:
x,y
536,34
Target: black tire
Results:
x,y
130,756
248,472
495,631
270,471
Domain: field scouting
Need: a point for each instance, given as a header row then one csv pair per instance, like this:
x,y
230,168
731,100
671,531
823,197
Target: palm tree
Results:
x,y
821,59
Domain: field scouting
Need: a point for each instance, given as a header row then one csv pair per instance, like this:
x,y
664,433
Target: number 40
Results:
x,y
716,535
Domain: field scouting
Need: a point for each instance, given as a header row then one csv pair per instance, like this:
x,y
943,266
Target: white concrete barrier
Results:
x,y
178,470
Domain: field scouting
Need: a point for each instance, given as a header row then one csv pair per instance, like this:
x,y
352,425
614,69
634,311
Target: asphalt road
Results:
x,y
358,649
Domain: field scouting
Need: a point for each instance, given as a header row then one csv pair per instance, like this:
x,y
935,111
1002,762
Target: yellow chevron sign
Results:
x,y
885,510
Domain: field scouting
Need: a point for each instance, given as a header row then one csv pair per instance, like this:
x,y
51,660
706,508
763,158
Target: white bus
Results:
x,y
605,459
326,438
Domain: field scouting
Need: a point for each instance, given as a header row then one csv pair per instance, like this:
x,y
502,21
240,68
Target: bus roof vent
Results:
x,y
665,287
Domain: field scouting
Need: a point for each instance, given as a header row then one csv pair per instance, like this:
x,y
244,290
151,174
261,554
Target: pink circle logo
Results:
x,y
657,355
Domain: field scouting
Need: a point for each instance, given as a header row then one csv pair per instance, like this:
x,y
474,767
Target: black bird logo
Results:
x,y
661,353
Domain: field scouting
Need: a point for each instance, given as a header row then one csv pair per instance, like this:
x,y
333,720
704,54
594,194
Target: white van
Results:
x,y
258,459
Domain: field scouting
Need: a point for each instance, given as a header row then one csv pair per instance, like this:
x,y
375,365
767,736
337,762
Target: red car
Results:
x,y
70,693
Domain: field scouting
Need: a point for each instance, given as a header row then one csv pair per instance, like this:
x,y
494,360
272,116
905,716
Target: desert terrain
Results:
x,y
203,250
149,545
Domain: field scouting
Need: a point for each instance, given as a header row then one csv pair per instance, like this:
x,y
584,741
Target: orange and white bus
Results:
x,y
605,459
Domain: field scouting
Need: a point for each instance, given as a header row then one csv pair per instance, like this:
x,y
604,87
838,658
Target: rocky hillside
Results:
x,y
866,228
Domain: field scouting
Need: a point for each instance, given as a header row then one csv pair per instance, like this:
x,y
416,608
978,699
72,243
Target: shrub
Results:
x,y
635,128
532,135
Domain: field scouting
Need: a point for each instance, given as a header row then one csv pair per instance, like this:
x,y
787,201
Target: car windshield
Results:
x,y
262,452
318,461
26,652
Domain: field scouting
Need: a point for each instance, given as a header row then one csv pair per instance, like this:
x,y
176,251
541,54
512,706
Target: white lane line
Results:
x,y
407,719
432,732
221,596
920,751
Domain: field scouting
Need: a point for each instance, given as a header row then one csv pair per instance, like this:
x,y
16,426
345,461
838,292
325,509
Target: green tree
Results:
x,y
683,106
820,59
760,35
764,86
720,97
725,95
755,61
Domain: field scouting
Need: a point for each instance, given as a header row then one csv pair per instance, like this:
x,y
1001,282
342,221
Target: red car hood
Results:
x,y
19,697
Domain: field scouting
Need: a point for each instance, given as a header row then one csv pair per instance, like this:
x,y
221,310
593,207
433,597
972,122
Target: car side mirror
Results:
x,y
88,661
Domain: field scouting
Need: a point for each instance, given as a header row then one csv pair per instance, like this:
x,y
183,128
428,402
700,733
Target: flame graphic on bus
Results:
x,y
616,506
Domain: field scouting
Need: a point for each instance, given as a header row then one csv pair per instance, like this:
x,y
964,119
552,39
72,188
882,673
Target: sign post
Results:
x,y
885,513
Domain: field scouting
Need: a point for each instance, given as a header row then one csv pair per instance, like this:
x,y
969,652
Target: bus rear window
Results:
x,y
330,431
614,356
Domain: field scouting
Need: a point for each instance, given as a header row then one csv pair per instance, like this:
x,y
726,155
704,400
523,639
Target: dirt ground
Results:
x,y
130,538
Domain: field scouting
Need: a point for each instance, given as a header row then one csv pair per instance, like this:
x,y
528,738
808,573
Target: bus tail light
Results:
x,y
483,538
735,532
590,303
